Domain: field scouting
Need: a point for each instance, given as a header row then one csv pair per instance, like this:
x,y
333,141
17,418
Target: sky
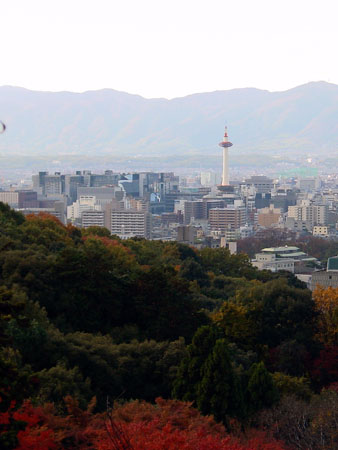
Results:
x,y
170,48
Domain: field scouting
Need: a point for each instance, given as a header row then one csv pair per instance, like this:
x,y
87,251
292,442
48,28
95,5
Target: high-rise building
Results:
x,y
72,183
193,209
129,223
52,184
38,182
103,195
93,218
85,203
20,199
138,204
313,214
261,183
209,179
186,234
268,216
233,216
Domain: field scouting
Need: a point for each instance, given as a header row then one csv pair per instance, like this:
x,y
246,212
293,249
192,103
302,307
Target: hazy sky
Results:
x,y
169,48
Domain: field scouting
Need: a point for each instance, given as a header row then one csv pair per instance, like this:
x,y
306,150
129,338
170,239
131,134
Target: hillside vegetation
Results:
x,y
86,317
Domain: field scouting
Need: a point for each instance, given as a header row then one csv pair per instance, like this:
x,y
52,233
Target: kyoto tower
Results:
x,y
225,186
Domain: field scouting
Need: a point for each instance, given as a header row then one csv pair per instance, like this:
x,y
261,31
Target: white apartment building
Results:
x,y
93,219
85,203
130,223
320,214
311,213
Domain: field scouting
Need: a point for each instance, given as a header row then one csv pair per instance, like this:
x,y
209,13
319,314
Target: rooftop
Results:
x,y
332,263
286,248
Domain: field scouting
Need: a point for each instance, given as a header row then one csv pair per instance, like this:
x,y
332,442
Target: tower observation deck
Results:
x,y
225,186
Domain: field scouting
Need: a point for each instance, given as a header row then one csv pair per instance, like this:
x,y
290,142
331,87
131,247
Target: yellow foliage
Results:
x,y
327,306
233,318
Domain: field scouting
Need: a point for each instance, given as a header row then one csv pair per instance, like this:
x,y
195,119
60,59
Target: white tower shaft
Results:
x,y
225,174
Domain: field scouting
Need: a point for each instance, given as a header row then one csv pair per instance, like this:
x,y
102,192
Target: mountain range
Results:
x,y
112,124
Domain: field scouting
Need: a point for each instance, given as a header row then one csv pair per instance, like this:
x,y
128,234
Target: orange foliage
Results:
x,y
109,243
44,216
180,415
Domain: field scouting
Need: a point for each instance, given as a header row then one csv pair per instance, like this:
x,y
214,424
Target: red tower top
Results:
x,y
225,142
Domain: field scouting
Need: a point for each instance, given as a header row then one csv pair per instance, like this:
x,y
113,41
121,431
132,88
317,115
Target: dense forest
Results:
x,y
136,344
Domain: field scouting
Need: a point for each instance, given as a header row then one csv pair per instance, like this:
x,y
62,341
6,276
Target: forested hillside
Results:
x,y
86,318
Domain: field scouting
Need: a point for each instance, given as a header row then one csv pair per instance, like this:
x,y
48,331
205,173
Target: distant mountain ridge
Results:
x,y
299,121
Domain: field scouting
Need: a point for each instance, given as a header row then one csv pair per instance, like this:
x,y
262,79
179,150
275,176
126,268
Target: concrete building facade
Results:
x,y
129,223
268,216
230,217
93,219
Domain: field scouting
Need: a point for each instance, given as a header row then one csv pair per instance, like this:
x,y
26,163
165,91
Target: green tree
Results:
x,y
221,262
281,312
288,385
191,270
291,357
219,392
189,372
261,390
58,382
163,305
9,219
207,377
96,231
46,231
14,380
225,287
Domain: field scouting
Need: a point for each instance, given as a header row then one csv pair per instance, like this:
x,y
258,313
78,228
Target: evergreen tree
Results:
x,y
189,372
262,391
219,392
206,376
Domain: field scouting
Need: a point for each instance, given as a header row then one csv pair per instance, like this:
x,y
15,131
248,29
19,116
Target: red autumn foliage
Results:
x,y
167,425
36,434
325,367
333,386
153,436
